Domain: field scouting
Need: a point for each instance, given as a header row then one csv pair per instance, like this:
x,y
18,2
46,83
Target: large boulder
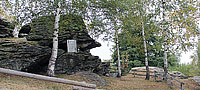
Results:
x,y
103,69
177,74
28,56
71,27
93,78
71,63
196,79
5,29
159,72
33,53
152,69
20,54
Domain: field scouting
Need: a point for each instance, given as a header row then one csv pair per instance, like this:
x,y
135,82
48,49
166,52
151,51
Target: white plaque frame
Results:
x,y
71,46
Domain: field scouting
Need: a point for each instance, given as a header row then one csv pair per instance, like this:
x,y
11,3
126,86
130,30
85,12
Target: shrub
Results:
x,y
187,69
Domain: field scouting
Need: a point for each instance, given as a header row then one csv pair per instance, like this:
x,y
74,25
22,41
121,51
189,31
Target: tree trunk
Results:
x,y
165,59
145,50
16,30
165,45
54,52
118,55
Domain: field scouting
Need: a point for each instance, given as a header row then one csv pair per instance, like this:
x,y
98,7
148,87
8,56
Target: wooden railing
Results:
x,y
180,84
159,77
53,79
135,73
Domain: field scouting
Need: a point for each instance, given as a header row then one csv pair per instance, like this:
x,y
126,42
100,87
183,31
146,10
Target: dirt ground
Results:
x,y
128,82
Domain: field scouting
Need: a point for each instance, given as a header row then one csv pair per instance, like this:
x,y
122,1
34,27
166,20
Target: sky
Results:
x,y
185,57
104,52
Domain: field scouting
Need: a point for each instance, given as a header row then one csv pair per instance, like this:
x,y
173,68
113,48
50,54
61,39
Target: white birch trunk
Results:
x,y
118,55
145,49
165,45
165,58
54,52
16,30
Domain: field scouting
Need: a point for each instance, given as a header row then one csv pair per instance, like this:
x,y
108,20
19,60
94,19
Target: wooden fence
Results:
x,y
135,73
172,81
158,76
79,85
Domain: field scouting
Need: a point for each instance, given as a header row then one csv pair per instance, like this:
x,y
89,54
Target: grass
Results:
x,y
12,82
189,84
128,82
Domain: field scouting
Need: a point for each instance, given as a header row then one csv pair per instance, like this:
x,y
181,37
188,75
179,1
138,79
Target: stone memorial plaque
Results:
x,y
71,46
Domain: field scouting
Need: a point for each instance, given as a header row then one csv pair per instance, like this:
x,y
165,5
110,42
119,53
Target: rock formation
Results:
x,y
177,74
160,72
196,79
32,55
5,29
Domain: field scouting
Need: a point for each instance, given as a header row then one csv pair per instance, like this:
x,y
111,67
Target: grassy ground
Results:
x,y
12,82
128,82
135,83
189,84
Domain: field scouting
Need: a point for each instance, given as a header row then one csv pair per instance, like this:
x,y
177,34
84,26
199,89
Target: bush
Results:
x,y
187,69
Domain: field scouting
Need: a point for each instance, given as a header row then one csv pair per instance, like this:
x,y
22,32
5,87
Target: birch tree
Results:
x,y
145,49
21,12
141,9
118,55
19,9
52,61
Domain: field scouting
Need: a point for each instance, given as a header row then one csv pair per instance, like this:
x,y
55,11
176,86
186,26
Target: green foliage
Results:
x,y
187,69
72,22
67,22
136,63
131,42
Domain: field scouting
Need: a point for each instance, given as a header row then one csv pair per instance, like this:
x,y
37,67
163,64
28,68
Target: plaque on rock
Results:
x,y
71,46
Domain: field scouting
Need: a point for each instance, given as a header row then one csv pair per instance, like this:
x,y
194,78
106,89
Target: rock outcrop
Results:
x,y
103,69
21,54
160,72
152,69
93,78
42,32
196,79
177,74
32,55
5,29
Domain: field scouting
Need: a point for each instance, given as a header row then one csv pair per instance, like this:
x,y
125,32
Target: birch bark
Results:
x,y
165,58
53,58
118,55
165,44
145,49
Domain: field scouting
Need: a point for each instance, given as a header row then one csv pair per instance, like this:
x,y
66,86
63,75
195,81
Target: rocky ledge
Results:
x,y
32,53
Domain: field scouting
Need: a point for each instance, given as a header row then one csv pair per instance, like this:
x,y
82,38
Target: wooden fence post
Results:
x,y
155,76
134,72
182,85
